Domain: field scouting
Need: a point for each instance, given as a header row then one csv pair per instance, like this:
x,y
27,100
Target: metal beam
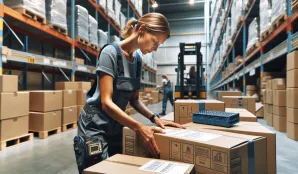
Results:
x,y
179,3
187,19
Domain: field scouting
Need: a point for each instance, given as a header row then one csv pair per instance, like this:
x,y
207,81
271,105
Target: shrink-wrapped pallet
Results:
x,y
253,34
265,16
56,13
81,23
34,6
102,38
279,9
93,27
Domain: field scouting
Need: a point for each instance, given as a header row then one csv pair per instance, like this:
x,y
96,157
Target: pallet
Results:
x,y
82,41
59,29
69,126
46,134
294,5
95,47
31,15
16,141
265,34
280,20
252,48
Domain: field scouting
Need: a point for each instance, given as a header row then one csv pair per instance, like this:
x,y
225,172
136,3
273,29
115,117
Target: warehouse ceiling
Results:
x,y
178,6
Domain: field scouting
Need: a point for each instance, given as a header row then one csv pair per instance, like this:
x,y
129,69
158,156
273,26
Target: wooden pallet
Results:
x,y
95,47
59,29
252,48
280,20
69,126
82,41
31,15
294,5
16,141
265,34
46,134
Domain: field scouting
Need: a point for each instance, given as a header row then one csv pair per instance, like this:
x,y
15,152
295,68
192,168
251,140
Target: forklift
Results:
x,y
184,89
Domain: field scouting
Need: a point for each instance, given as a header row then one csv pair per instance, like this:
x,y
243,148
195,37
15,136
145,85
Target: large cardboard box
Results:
x,y
292,78
292,115
81,97
246,102
220,94
80,108
14,127
124,164
269,84
14,104
44,121
279,97
248,128
185,108
292,97
280,111
69,115
155,96
168,117
44,101
259,110
279,84
84,85
292,60
67,86
69,98
8,83
243,114
269,96
280,123
212,152
292,130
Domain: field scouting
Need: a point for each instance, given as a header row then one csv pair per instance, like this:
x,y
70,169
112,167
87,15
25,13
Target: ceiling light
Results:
x,y
191,1
155,4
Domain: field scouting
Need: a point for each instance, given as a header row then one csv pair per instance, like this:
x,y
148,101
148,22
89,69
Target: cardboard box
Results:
x,y
250,93
155,95
14,127
45,121
67,86
292,130
280,111
292,62
81,97
145,102
8,83
292,78
280,123
269,119
80,108
248,128
269,96
243,114
263,85
264,96
168,117
125,164
250,87
292,115
150,101
141,94
79,61
269,84
270,109
279,97
69,115
266,78
220,94
279,84
185,108
246,102
69,98
44,101
259,110
84,86
205,148
292,97
14,104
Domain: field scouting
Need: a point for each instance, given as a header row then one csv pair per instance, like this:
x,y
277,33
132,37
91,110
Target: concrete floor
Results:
x,y
55,155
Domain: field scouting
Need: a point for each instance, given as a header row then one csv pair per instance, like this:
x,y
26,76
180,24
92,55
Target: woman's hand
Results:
x,y
163,123
147,136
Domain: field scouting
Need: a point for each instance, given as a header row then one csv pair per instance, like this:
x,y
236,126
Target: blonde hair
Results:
x,y
153,22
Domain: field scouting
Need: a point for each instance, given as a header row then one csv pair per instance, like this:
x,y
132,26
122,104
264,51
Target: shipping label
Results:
x,y
164,167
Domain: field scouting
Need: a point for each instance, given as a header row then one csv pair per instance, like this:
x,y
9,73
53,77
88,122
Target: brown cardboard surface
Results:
x,y
69,115
250,87
280,123
243,114
280,111
44,101
292,78
292,62
67,86
84,85
14,104
292,97
250,93
155,96
279,97
125,164
264,96
79,61
269,96
279,84
269,84
14,127
292,130
259,110
263,85
270,109
145,102
220,94
185,108
44,121
69,98
168,117
246,102
8,83
266,78
81,97
292,115
248,128
80,108
149,89
269,119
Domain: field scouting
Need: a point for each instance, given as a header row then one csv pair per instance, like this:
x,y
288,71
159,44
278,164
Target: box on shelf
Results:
x,y
292,97
44,101
79,61
67,86
69,98
279,97
269,96
220,94
292,115
14,104
247,102
279,84
69,115
292,78
81,97
14,127
44,121
244,115
292,130
292,62
280,111
8,83
280,123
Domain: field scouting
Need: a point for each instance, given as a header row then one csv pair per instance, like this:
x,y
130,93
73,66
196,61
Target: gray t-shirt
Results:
x,y
108,64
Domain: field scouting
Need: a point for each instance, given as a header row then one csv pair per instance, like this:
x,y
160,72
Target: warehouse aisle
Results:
x,y
54,155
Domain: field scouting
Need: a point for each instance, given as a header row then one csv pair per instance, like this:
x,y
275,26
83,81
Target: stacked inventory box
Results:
x,y
220,94
279,104
269,103
81,23
292,95
102,38
93,28
14,110
264,80
56,13
250,90
83,88
246,102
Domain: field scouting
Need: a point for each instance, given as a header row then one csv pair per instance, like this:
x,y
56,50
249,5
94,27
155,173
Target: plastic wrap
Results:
x,y
253,33
265,16
236,13
81,23
93,27
117,11
102,38
115,38
279,8
103,4
122,20
111,9
37,7
228,30
56,13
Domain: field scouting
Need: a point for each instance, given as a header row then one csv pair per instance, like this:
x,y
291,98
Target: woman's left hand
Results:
x,y
163,123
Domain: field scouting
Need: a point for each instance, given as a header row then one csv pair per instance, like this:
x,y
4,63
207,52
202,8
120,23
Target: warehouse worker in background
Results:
x,y
118,82
168,94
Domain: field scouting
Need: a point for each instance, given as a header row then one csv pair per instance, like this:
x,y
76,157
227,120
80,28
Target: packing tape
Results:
x,y
202,106
251,157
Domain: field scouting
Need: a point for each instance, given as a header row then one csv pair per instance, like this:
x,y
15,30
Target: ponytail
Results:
x,y
129,27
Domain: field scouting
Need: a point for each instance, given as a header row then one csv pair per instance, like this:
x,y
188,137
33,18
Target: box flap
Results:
x,y
259,106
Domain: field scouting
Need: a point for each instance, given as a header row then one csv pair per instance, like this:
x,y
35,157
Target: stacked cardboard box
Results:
x,y
269,103
292,95
250,90
14,109
246,102
279,104
220,94
243,114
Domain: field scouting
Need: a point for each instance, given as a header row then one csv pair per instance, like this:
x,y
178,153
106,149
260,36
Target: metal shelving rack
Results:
x,y
260,56
24,61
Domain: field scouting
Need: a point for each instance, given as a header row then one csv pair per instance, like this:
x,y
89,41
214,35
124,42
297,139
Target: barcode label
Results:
x,y
191,135
164,167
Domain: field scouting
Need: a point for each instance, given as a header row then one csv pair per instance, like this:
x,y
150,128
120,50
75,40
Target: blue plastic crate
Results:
x,y
216,118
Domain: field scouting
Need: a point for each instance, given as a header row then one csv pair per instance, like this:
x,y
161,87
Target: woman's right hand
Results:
x,y
147,136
